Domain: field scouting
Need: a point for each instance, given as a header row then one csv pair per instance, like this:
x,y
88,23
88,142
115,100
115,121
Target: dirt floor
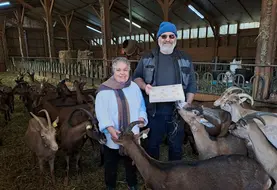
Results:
x,y
17,169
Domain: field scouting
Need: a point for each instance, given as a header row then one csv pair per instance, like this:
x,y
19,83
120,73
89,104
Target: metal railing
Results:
x,y
212,78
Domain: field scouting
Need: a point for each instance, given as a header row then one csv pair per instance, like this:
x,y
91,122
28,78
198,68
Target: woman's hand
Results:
x,y
114,132
141,119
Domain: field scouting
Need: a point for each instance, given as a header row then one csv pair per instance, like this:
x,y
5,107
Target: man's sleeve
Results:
x,y
138,73
192,87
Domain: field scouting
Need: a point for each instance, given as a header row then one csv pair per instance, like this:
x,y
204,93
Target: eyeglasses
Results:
x,y
171,36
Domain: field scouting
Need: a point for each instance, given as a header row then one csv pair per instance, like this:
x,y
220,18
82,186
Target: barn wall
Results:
x,y
198,49
203,49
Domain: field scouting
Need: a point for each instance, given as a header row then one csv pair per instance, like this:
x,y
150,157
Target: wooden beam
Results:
x,y
111,5
165,5
4,41
19,16
106,33
66,23
96,11
48,9
24,4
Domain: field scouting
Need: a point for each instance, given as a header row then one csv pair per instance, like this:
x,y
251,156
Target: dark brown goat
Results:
x,y
40,137
80,96
73,137
4,106
222,172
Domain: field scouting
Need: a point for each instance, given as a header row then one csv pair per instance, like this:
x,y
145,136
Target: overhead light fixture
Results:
x,y
195,11
4,3
132,23
94,29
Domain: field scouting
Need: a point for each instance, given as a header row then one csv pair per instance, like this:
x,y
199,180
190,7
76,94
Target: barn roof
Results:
x,y
147,13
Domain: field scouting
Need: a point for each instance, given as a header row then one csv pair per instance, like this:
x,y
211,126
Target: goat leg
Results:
x,y
51,164
101,155
41,168
78,156
67,170
34,158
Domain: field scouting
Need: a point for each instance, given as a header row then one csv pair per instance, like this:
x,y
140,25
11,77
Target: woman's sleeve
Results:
x,y
142,110
102,110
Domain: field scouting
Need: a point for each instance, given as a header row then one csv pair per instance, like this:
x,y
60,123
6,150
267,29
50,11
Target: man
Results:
x,y
165,65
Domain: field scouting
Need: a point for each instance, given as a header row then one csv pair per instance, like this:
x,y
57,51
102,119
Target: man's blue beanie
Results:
x,y
167,27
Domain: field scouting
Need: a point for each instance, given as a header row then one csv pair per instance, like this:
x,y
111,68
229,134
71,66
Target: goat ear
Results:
x,y
82,84
55,123
143,134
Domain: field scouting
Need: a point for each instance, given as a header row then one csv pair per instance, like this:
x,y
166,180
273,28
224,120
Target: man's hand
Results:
x,y
147,88
141,119
114,133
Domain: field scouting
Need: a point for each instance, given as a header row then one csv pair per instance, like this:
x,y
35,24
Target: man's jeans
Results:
x,y
162,125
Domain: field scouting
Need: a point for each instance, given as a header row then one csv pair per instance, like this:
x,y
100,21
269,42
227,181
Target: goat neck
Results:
x,y
78,131
147,166
237,111
265,153
205,146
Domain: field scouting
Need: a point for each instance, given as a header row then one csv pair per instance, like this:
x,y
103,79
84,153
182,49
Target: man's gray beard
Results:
x,y
167,48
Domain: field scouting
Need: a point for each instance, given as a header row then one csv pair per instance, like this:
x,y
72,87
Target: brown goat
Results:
x,y
40,137
221,172
73,138
208,148
80,96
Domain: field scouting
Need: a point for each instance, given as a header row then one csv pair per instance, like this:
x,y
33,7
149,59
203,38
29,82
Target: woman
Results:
x,y
119,102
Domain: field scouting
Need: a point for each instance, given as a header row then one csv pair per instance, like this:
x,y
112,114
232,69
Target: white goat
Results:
x,y
231,102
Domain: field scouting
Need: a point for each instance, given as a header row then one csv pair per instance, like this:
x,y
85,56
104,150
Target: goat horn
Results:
x,y
47,116
199,109
38,120
93,119
132,124
258,115
246,96
92,98
231,89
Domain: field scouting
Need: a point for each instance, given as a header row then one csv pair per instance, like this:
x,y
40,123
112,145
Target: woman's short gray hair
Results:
x,y
120,59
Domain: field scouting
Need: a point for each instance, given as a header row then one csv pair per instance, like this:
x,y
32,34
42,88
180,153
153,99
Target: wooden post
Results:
x,y
265,52
19,16
165,7
106,33
237,40
3,45
48,7
216,41
66,24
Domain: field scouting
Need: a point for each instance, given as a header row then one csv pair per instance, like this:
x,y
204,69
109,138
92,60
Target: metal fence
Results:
x,y
212,78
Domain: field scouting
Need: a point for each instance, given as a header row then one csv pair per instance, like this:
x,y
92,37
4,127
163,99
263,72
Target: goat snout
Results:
x,y
102,141
54,147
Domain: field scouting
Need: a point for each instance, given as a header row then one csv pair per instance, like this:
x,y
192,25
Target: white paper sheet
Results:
x,y
168,93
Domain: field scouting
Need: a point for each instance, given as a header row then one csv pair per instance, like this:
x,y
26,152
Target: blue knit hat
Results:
x,y
167,27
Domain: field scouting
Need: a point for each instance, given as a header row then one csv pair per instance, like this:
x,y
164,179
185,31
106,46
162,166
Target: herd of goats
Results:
x,y
237,152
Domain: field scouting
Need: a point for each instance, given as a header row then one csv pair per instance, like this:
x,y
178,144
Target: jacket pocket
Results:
x,y
148,73
185,74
